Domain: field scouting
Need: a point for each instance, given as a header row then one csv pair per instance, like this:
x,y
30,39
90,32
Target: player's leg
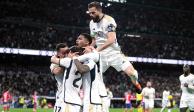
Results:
x,y
151,105
191,104
126,107
139,106
183,105
146,105
103,94
162,109
105,106
164,104
120,63
169,109
132,73
87,107
73,108
5,106
130,108
34,107
8,106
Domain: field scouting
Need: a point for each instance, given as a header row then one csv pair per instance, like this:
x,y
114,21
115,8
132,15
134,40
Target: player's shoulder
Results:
x,y
108,18
91,22
181,76
191,74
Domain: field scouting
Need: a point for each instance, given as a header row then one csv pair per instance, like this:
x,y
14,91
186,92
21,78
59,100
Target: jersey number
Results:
x,y
76,80
57,109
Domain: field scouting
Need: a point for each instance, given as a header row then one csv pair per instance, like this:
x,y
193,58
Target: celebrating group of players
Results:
x,y
81,67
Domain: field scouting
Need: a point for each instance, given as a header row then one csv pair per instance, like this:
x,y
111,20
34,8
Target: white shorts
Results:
x,y
149,104
187,103
117,61
92,108
72,108
60,106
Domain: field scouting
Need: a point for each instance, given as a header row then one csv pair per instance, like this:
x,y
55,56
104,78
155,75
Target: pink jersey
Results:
x,y
81,93
128,98
35,97
7,96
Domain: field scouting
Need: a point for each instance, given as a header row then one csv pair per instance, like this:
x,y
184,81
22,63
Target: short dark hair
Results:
x,y
95,4
60,45
87,36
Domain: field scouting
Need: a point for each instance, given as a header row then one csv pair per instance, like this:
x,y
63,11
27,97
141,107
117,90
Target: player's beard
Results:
x,y
95,19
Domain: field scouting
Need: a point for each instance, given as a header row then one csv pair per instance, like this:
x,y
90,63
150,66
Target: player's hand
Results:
x,y
53,58
71,54
185,85
147,97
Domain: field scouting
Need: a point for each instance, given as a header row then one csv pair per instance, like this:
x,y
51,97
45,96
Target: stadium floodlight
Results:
x,y
132,59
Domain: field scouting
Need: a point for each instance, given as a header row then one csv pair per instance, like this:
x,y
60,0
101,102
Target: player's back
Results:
x,y
72,83
59,79
99,32
90,86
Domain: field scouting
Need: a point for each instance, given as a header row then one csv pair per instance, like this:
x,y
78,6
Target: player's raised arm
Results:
x,y
65,62
83,68
111,37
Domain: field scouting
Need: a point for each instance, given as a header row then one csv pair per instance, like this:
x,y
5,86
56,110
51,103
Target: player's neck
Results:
x,y
101,16
186,73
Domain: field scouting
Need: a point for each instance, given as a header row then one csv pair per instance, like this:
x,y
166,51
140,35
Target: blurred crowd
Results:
x,y
164,29
18,36
24,81
23,26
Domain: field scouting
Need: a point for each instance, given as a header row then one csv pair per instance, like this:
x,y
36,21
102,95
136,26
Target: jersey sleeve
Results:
x,y
92,34
111,25
65,62
191,85
89,56
90,64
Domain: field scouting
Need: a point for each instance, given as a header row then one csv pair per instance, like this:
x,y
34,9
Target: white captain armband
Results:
x,y
111,28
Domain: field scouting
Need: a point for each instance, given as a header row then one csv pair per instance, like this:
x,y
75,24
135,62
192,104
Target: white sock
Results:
x,y
162,109
169,110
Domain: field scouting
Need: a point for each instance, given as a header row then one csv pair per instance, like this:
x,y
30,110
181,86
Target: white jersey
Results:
x,y
187,92
99,31
165,95
72,82
90,84
95,56
59,79
148,93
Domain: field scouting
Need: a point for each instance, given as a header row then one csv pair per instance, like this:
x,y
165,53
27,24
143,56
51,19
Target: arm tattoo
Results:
x,y
80,67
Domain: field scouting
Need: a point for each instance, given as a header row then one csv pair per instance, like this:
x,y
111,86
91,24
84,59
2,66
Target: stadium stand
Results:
x,y
164,29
